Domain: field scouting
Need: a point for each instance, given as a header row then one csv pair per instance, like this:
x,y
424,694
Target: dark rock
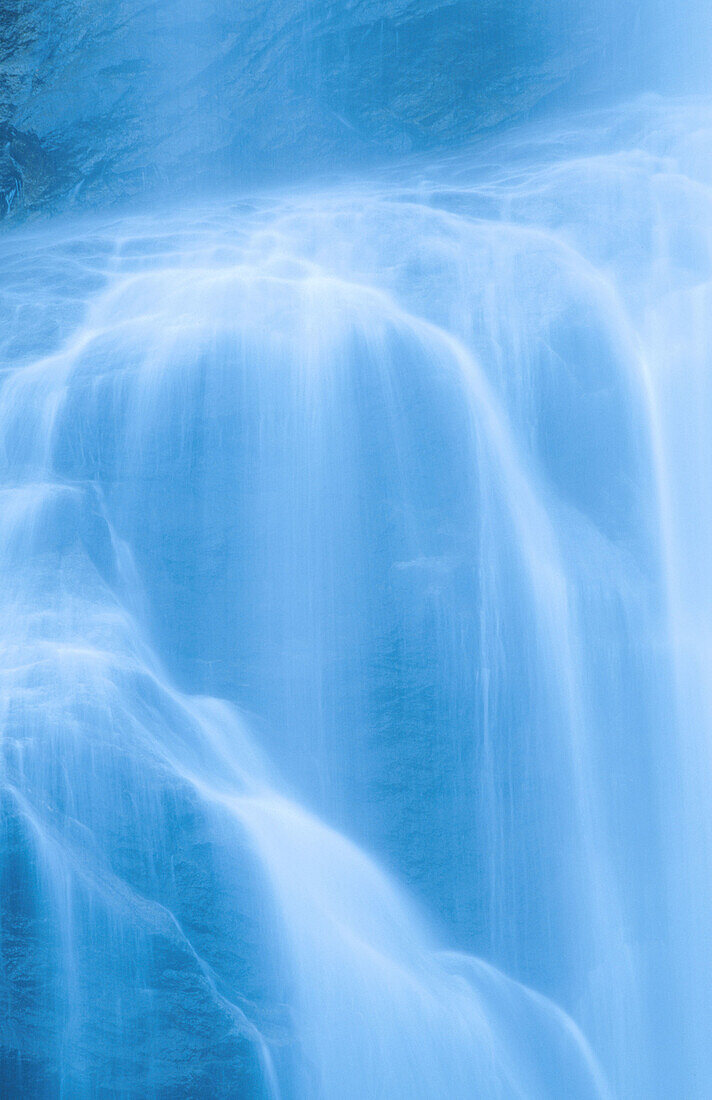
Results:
x,y
128,96
27,175
133,96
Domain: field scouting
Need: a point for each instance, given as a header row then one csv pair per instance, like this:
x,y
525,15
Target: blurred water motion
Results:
x,y
356,609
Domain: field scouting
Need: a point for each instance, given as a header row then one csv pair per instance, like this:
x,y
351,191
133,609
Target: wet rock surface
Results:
x,y
125,97
28,175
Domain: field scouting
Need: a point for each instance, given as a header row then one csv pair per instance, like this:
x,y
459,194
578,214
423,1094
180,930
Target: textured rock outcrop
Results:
x,y
126,95
28,175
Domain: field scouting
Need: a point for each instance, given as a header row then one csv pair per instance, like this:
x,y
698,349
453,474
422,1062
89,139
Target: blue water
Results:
x,y
356,626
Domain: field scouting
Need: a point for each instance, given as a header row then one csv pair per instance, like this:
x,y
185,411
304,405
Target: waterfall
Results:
x,y
355,608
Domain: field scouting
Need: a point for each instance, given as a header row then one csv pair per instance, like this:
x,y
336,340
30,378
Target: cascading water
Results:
x,y
355,612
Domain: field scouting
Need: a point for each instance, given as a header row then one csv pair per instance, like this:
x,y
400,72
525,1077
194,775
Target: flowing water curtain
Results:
x,y
404,472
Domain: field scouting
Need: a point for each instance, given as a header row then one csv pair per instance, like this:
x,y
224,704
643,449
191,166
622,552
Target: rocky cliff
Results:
x,y
101,101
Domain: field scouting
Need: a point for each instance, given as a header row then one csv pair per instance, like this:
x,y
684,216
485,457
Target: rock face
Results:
x,y
121,97
28,175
